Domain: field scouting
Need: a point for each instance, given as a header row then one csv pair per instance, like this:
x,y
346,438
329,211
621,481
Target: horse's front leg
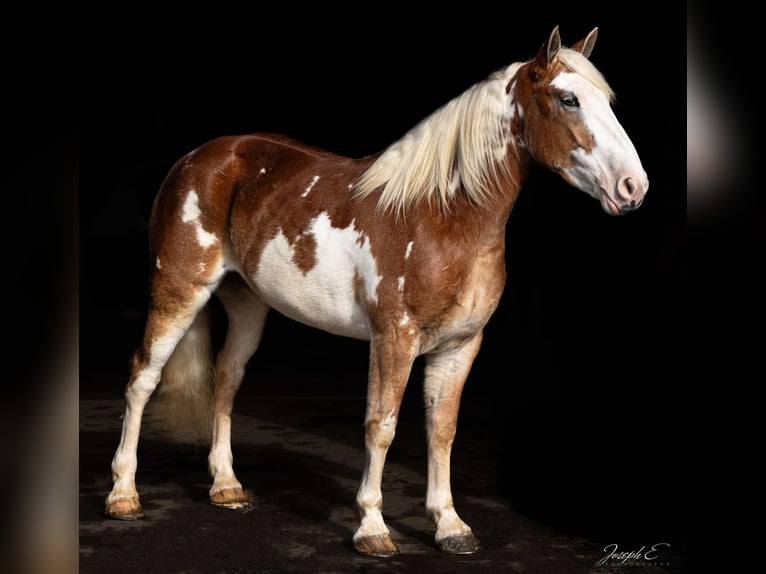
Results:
x,y
445,376
390,364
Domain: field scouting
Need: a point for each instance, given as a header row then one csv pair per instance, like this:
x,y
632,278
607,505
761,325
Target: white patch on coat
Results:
x,y
263,170
405,319
191,214
408,251
311,185
157,263
325,296
513,105
400,282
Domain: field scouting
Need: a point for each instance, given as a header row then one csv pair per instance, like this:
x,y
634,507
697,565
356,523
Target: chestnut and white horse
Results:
x,y
404,249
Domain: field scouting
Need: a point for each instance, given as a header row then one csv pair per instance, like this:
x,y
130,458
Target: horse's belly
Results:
x,y
318,282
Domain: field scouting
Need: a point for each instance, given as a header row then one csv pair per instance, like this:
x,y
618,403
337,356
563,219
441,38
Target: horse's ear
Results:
x,y
547,54
586,44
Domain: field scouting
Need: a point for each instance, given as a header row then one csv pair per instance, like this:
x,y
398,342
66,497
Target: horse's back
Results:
x,y
238,177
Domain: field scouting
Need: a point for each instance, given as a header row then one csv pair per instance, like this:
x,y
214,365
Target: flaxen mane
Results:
x,y
462,145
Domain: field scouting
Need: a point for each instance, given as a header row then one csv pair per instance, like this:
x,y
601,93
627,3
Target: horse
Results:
x,y
404,249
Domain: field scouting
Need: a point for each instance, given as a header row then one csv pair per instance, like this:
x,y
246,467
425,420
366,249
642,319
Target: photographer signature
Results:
x,y
642,554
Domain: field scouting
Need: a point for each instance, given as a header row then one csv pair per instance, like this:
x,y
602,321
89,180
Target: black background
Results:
x,y
581,376
353,83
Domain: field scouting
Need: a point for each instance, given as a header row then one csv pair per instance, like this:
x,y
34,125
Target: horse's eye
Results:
x,y
570,101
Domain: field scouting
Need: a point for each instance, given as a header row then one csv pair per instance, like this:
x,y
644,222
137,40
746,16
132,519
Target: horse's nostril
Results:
x,y
629,186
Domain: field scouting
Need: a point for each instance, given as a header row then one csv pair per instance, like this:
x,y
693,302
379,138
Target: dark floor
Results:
x,y
548,486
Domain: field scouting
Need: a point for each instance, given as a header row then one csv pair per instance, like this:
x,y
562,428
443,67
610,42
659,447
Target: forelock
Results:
x,y
582,66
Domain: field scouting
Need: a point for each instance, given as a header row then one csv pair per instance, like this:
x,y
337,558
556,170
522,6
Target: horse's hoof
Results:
x,y
463,544
232,498
379,546
124,509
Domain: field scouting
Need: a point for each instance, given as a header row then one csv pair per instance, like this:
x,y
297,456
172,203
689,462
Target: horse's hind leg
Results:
x,y
162,333
172,310
247,316
445,375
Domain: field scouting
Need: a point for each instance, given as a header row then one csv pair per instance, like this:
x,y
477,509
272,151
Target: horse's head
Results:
x,y
564,119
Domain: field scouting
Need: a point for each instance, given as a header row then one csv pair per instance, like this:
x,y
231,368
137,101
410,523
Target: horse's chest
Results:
x,y
467,310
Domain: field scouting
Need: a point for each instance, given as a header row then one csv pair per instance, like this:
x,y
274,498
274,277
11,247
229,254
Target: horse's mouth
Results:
x,y
608,204
614,208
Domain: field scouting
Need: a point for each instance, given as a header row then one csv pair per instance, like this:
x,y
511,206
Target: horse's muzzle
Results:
x,y
628,195
630,192
633,205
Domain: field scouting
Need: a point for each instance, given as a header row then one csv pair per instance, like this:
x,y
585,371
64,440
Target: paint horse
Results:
x,y
404,249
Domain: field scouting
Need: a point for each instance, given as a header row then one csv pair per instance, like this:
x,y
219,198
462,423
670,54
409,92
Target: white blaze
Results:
x,y
614,155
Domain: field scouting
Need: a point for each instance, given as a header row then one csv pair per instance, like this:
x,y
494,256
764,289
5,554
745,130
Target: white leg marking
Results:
x,y
125,460
445,373
243,337
370,497
221,459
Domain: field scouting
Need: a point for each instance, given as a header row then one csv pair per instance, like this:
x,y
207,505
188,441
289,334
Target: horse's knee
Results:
x,y
380,432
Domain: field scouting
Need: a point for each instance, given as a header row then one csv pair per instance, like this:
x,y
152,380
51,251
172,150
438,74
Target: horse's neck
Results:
x,y
482,225
502,196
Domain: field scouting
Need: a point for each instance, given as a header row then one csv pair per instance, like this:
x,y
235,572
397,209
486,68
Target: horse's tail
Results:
x,y
183,405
